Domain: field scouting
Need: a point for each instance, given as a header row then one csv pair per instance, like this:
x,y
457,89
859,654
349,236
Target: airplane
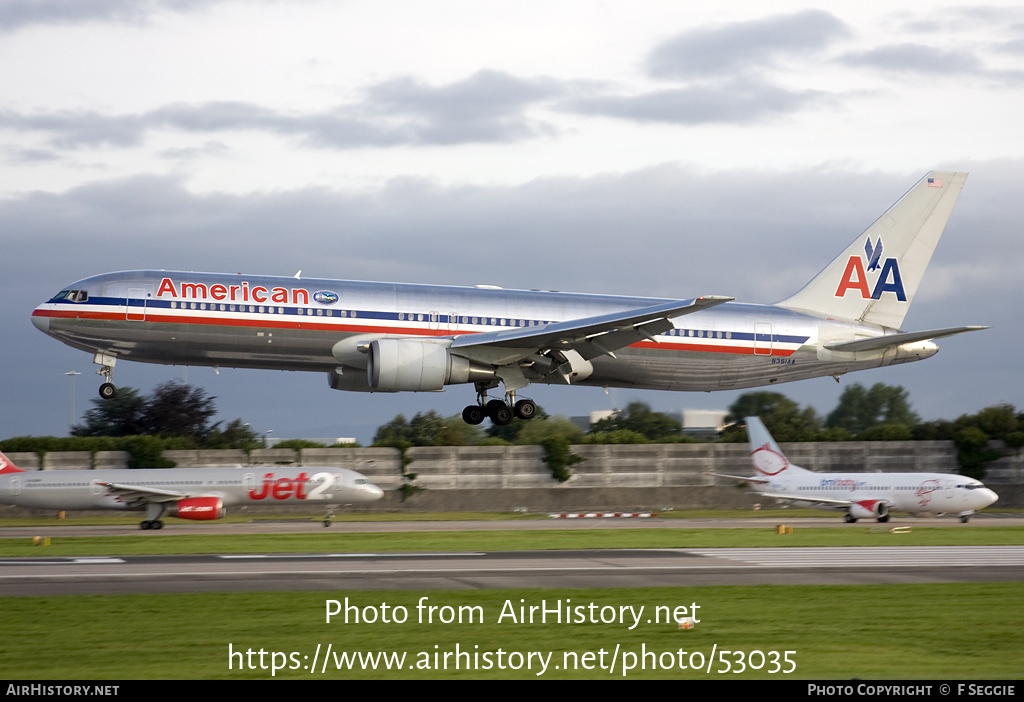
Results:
x,y
392,337
199,494
860,495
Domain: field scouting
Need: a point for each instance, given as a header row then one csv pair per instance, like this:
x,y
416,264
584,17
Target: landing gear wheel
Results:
x,y
473,414
499,412
151,524
526,409
850,519
327,522
884,518
964,519
107,391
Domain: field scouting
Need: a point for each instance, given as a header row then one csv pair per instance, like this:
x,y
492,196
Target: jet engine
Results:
x,y
198,508
410,365
870,509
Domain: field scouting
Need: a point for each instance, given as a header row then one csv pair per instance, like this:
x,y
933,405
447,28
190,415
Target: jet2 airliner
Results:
x,y
393,337
187,493
860,495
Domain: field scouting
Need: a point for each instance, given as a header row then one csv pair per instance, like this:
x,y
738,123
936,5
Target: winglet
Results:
x,y
7,465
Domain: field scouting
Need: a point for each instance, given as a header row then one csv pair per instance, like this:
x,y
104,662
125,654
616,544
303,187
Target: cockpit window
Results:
x,y
72,296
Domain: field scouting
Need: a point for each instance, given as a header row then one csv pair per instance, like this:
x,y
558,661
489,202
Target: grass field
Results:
x,y
167,542
943,631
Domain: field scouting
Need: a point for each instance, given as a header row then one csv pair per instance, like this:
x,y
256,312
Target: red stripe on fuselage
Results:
x,y
318,324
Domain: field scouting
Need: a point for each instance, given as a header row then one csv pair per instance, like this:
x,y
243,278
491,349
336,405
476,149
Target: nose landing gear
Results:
x,y
106,363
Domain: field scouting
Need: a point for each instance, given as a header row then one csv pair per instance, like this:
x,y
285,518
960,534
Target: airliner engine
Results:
x,y
198,508
411,365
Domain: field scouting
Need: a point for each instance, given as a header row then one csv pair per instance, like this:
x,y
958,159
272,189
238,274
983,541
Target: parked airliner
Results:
x,y
391,337
187,493
860,495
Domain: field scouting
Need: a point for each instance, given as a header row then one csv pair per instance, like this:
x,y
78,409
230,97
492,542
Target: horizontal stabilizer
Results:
x,y
881,342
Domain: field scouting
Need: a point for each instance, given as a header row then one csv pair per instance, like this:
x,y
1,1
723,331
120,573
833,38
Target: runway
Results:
x,y
298,526
542,569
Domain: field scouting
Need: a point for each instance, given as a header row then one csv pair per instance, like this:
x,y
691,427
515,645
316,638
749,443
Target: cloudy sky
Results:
x,y
643,147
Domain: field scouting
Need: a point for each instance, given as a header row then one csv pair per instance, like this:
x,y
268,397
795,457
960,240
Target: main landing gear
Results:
x,y
500,412
154,510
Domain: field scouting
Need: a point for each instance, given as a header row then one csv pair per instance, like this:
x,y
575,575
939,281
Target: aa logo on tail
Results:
x,y
855,277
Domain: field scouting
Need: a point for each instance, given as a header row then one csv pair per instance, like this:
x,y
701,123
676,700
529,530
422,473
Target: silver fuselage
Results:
x,y
281,323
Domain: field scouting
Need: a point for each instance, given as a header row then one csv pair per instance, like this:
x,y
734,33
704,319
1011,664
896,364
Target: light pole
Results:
x,y
71,416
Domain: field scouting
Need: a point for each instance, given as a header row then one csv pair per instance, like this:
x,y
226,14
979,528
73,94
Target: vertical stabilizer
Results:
x,y
7,466
874,280
764,452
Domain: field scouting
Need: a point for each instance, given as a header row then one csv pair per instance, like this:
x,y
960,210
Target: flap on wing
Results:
x,y
138,493
881,342
591,336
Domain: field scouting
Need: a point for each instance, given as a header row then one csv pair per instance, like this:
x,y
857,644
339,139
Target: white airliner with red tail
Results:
x,y
394,337
187,493
860,495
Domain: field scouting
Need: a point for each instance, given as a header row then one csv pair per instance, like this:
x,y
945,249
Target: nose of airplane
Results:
x,y
40,322
986,496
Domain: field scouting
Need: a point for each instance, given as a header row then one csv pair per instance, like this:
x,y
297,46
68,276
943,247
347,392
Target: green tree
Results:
x,y
783,417
121,415
510,432
639,417
236,435
426,429
860,409
178,409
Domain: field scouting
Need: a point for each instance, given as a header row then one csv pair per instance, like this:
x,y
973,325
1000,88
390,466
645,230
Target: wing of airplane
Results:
x,y
136,494
803,498
881,342
749,479
588,337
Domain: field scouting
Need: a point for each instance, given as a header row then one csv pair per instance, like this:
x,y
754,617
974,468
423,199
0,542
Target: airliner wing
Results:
x,y
746,478
590,336
804,498
881,342
138,493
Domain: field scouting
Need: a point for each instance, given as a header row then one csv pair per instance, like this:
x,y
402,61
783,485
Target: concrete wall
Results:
x,y
613,477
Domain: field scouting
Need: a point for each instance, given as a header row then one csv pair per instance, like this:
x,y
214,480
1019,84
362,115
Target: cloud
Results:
x,y
920,59
487,107
742,47
735,102
914,58
16,14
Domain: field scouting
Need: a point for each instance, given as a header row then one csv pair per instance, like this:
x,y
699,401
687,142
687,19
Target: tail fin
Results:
x,y
764,452
7,466
875,279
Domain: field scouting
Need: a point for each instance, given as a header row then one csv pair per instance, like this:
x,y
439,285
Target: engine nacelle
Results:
x,y
409,365
198,508
869,509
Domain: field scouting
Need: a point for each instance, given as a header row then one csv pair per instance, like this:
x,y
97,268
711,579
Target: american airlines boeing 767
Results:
x,y
392,337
